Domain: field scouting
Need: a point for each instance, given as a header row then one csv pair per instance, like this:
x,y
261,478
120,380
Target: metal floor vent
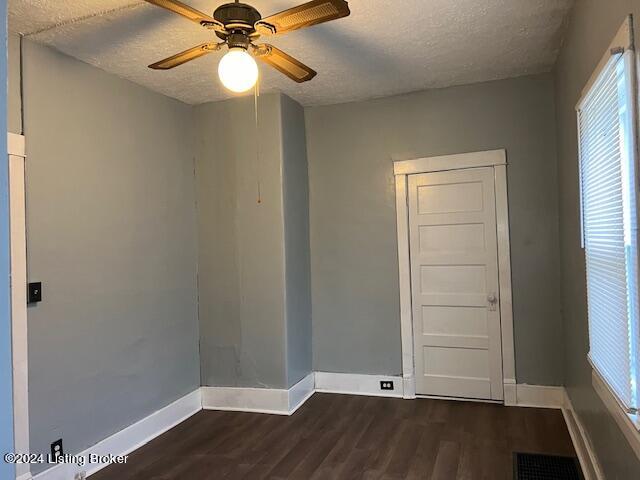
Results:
x,y
529,466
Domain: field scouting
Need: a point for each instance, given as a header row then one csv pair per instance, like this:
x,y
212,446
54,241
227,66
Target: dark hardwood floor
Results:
x,y
344,437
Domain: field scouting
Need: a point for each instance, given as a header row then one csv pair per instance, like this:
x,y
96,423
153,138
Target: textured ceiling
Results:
x,y
385,47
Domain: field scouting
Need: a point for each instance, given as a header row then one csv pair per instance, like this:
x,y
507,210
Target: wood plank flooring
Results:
x,y
348,437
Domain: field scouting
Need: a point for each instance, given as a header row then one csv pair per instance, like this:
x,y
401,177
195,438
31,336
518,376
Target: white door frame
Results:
x,y
17,156
401,169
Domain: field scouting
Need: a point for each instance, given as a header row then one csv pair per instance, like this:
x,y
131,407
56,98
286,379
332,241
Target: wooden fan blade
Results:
x,y
186,11
306,15
186,56
292,68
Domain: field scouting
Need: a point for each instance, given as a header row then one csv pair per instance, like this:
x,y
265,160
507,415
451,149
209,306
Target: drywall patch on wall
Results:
x,y
253,230
241,255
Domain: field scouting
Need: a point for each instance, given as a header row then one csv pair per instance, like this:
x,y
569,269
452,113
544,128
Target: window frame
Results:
x,y
623,44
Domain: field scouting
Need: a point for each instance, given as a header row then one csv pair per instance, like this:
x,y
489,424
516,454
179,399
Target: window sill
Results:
x,y
629,424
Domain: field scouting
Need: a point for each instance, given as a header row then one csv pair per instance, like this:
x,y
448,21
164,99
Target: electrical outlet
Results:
x,y
386,385
56,450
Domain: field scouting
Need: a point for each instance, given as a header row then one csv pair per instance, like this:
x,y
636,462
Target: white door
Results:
x,y
454,284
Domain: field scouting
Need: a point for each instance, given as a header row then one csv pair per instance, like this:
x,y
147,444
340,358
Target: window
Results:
x,y
608,178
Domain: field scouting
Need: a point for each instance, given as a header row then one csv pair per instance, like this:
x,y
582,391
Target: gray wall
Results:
x,y
7,470
356,326
241,255
111,234
592,26
296,240
14,107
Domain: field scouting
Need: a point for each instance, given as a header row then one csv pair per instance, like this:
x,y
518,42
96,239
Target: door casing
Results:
x,y
402,169
17,157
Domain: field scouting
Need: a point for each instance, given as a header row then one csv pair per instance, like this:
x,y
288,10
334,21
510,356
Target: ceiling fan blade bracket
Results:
x,y
215,25
261,50
265,28
213,47
283,62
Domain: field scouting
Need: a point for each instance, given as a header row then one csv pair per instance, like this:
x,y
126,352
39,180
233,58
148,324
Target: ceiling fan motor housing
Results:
x,y
238,18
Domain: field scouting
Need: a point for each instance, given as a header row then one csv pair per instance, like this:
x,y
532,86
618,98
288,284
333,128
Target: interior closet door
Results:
x,y
454,284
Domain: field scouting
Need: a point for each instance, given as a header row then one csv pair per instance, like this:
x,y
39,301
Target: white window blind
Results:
x,y
608,189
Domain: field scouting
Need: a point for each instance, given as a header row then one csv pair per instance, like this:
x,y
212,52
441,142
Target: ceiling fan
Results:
x,y
239,25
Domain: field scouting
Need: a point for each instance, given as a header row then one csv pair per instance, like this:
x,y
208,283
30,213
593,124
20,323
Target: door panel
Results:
x,y
454,284
449,198
462,239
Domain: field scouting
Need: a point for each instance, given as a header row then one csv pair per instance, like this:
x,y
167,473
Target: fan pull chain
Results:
x,y
256,94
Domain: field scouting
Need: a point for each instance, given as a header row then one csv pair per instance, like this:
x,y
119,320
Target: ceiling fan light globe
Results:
x,y
238,70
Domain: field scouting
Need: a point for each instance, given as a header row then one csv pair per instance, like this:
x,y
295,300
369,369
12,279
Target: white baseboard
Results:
x,y
236,399
581,442
357,384
24,476
538,396
301,392
259,400
130,438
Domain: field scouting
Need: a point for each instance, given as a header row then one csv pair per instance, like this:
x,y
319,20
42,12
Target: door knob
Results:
x,y
493,300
